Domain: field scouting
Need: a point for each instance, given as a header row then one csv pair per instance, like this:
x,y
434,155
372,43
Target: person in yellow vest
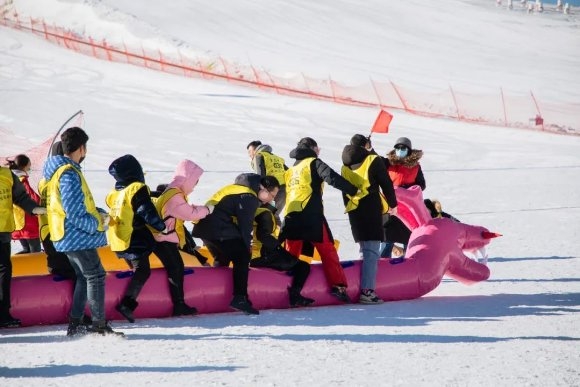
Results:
x,y
77,228
227,232
174,209
57,262
267,252
12,192
266,163
305,225
131,211
26,231
404,169
367,171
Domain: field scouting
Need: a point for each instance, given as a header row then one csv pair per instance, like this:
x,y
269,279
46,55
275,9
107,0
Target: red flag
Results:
x,y
382,122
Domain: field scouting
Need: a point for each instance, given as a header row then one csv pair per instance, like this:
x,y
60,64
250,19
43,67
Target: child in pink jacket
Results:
x,y
174,209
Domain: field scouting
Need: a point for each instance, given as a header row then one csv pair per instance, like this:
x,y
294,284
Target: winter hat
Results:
x,y
359,140
307,142
405,142
72,139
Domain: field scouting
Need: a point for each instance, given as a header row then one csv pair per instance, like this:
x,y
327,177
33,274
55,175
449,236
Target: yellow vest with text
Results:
x,y
274,166
6,205
55,212
122,214
160,203
232,189
298,186
19,214
256,244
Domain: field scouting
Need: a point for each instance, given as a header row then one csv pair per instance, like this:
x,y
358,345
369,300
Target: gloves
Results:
x,y
393,211
39,211
105,219
210,207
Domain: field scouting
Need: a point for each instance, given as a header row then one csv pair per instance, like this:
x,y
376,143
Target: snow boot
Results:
x,y
340,293
126,308
296,299
76,327
182,309
242,304
103,328
8,321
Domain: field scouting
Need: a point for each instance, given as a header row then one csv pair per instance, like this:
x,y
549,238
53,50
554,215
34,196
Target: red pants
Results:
x,y
330,261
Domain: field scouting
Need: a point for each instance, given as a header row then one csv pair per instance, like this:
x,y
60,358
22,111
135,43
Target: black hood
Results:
x,y
353,155
302,152
250,180
126,170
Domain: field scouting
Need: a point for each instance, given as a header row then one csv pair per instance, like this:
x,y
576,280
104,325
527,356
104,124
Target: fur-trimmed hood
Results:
x,y
410,160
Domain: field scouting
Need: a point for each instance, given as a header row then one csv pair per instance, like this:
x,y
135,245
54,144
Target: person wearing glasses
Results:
x,y
227,231
404,169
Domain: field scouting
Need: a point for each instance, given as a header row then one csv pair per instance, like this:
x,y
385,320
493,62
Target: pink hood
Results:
x,y
186,176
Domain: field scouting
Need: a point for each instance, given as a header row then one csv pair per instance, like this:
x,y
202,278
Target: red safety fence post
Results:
x,y
538,120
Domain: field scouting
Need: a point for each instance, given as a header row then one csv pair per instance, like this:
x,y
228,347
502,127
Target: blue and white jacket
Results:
x,y
80,227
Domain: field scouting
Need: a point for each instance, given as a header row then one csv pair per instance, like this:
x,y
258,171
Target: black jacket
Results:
x,y
307,224
127,170
366,221
219,225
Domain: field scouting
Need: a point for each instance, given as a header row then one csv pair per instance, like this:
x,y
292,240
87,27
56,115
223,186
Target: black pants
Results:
x,y
141,273
5,279
282,260
30,245
168,254
235,251
57,262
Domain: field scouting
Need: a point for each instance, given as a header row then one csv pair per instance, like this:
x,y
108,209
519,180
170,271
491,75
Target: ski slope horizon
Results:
x,y
518,328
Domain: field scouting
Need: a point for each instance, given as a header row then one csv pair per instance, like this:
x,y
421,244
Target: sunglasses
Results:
x,y
400,147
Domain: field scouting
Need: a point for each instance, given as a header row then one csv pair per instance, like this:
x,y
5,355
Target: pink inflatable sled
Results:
x,y
436,248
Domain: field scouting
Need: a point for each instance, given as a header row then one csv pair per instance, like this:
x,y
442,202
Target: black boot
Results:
x,y
296,299
103,328
126,308
242,304
76,327
182,309
7,321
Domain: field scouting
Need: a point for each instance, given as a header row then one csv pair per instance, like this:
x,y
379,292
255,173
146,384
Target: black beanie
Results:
x,y
72,139
359,140
307,142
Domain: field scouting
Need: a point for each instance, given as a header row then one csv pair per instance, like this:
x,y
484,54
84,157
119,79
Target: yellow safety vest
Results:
x,y
55,212
6,204
43,219
256,244
19,214
360,178
160,203
232,189
298,186
121,213
274,166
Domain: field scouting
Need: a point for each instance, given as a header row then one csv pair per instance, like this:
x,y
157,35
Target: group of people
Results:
x,y
264,219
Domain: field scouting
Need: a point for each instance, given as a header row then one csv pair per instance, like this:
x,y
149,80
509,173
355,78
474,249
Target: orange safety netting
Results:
x,y
522,111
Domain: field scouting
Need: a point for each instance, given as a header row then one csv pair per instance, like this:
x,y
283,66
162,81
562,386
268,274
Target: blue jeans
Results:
x,y
369,252
90,285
